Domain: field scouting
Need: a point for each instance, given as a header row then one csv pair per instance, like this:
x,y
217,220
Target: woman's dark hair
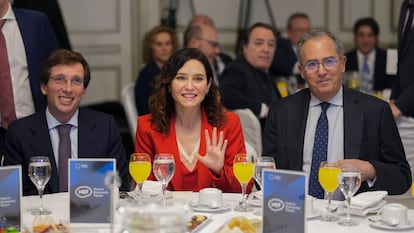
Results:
x,y
161,103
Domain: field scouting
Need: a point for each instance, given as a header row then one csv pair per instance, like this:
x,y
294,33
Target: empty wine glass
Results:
x,y
164,169
139,168
40,172
328,178
261,163
243,168
349,182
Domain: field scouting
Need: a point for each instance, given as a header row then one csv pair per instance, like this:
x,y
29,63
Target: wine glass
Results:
x,y
139,168
243,168
328,178
261,163
349,182
164,169
40,172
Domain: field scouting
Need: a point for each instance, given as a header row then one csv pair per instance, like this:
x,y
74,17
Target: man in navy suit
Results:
x,y
361,129
64,78
29,41
366,32
402,98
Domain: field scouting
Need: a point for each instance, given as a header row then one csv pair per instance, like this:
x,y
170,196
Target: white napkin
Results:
x,y
367,199
150,189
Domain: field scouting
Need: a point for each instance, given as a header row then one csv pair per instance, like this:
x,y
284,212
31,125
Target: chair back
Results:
x,y
128,101
252,130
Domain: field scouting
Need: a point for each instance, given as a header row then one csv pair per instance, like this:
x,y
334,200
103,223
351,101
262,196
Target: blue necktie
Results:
x,y
320,150
365,67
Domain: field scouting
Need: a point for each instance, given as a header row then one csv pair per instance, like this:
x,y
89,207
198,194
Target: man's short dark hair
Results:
x,y
368,21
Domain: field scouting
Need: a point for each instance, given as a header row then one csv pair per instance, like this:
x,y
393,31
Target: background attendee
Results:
x,y
158,45
26,40
245,83
204,38
367,58
285,62
402,98
222,59
64,78
188,121
360,129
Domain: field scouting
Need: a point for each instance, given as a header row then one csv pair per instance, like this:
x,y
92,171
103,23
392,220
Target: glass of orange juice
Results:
x,y
243,168
139,168
328,178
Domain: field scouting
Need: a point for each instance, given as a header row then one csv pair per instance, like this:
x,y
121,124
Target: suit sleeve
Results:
x,y
116,149
392,169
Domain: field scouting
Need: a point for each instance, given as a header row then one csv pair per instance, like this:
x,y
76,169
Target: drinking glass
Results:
x,y
243,168
40,172
349,182
261,163
164,169
328,178
139,168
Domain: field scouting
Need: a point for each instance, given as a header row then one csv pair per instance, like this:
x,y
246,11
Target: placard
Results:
x,y
10,197
284,194
90,198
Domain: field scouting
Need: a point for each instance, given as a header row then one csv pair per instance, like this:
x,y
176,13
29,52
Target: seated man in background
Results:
x,y
204,38
359,128
245,83
285,64
65,76
222,59
367,58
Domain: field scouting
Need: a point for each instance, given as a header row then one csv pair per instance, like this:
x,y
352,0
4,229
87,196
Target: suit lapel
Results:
x,y
87,138
42,145
353,125
296,122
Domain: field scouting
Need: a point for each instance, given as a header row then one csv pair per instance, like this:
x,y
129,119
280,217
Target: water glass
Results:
x,y
164,169
40,172
349,182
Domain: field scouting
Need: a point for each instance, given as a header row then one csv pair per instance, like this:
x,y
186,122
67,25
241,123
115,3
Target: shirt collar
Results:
x,y
9,14
52,122
336,100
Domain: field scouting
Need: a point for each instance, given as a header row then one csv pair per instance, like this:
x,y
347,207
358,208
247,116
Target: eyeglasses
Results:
x,y
328,63
62,80
211,42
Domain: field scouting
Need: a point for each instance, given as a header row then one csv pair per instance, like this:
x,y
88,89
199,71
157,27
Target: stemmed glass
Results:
x,y
349,182
40,172
328,178
243,168
139,168
164,169
261,163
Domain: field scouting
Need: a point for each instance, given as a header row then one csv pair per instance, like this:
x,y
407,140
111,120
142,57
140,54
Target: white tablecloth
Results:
x,y
59,205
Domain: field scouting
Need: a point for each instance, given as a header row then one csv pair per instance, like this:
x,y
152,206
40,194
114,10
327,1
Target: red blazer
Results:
x,y
150,141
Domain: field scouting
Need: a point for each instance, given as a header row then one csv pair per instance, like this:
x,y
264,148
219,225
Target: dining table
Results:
x,y
58,203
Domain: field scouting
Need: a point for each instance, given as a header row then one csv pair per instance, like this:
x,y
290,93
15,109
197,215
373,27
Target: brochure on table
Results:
x,y
10,197
284,194
90,198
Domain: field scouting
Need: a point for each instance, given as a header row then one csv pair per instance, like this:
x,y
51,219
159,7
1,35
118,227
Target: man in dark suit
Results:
x,y
285,62
29,40
245,83
402,98
366,32
361,129
64,78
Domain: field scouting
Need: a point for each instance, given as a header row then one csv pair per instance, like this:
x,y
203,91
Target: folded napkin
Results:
x,y
367,199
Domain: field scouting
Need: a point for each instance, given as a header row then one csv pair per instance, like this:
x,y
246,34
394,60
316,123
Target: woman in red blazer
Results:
x,y
188,120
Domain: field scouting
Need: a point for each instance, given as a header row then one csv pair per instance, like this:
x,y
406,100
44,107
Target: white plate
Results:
x,y
197,208
384,226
